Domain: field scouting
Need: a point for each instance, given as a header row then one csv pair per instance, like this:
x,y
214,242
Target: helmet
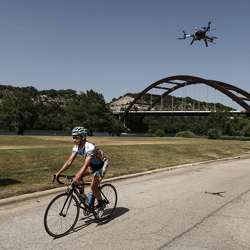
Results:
x,y
80,131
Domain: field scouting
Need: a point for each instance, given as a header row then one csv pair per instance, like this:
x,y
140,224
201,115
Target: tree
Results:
x,y
89,110
17,110
50,116
115,126
246,130
214,133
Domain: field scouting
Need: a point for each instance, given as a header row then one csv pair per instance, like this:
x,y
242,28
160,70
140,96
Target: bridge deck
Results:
x,y
174,113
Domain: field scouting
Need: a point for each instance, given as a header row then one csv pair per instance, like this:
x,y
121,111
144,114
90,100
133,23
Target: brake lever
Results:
x,y
54,178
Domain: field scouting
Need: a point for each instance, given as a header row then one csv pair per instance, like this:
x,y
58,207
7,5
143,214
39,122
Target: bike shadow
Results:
x,y
88,220
119,211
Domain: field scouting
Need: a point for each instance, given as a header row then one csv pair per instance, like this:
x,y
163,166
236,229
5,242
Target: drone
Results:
x,y
200,34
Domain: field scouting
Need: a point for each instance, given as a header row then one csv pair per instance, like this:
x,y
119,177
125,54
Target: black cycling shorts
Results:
x,y
96,167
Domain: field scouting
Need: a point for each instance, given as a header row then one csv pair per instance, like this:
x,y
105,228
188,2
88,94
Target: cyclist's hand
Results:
x,y
55,177
77,179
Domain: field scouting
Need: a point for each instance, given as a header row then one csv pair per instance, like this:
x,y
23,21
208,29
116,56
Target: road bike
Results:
x,y
62,213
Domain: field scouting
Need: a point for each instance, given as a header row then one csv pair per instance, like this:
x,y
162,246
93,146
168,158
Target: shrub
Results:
x,y
214,133
159,133
239,138
246,130
186,134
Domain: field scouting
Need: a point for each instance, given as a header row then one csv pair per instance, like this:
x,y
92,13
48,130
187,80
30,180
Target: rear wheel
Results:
x,y
61,215
109,197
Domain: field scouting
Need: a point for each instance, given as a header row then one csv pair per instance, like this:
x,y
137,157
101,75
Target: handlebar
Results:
x,y
69,178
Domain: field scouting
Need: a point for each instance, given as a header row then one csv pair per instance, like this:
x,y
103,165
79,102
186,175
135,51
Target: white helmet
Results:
x,y
79,131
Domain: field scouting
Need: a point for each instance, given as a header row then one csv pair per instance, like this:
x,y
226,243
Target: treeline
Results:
x,y
27,108
222,123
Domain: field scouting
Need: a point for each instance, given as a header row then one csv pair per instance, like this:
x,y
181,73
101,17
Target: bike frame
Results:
x,y
75,189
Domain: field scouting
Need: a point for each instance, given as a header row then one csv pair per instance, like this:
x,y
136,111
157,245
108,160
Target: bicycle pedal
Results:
x,y
86,212
100,213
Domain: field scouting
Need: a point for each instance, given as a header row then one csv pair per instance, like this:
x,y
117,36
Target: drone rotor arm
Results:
x,y
185,35
208,26
205,40
192,41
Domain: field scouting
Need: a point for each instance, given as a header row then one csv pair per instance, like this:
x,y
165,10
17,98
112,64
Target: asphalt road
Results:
x,y
199,207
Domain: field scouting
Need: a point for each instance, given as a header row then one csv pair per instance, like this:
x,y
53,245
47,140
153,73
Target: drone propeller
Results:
x,y
184,35
211,39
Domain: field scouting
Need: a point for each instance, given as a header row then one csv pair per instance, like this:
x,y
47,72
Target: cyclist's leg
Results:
x,y
96,179
94,186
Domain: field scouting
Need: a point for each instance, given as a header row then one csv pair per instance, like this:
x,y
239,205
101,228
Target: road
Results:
x,y
199,207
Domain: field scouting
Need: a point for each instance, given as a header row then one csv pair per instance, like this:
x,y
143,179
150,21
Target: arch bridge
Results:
x,y
170,84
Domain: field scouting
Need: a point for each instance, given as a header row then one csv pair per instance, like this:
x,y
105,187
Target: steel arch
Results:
x,y
238,95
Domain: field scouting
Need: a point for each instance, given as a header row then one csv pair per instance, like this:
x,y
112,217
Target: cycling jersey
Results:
x,y
89,149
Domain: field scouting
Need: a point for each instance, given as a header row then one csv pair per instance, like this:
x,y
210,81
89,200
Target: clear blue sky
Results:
x,y
115,46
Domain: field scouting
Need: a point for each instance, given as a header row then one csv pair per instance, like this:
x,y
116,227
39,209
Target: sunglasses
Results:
x,y
76,137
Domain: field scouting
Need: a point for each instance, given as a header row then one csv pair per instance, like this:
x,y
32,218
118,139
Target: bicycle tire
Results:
x,y
63,200
109,195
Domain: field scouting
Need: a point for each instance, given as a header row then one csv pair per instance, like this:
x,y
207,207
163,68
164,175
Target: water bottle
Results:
x,y
83,197
91,199
81,188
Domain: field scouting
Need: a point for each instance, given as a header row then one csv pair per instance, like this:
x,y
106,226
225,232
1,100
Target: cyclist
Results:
x,y
95,162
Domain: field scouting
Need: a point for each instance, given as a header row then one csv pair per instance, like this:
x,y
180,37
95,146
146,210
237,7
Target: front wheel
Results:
x,y
61,215
109,197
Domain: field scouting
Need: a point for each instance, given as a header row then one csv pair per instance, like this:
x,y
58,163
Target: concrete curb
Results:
x,y
39,194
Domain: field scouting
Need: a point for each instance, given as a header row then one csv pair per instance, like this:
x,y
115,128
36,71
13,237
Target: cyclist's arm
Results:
x,y
82,171
67,163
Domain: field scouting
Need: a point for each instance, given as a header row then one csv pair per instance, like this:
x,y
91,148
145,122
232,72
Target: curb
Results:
x,y
25,197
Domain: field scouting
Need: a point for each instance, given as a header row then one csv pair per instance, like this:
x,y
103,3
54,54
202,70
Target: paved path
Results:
x,y
199,207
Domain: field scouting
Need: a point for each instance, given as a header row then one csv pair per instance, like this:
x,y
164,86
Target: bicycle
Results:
x,y
62,213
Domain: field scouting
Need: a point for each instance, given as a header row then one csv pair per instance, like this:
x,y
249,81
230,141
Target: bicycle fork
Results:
x,y
105,198
69,198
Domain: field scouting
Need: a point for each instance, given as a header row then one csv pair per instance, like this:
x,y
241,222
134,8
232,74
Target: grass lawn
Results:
x,y
27,163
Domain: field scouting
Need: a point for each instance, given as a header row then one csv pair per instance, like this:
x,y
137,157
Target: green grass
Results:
x,y
30,169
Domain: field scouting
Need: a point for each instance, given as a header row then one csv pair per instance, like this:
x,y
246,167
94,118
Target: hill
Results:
x,y
164,103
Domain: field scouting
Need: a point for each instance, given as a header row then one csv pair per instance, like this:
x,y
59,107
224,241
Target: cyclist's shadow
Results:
x,y
119,211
